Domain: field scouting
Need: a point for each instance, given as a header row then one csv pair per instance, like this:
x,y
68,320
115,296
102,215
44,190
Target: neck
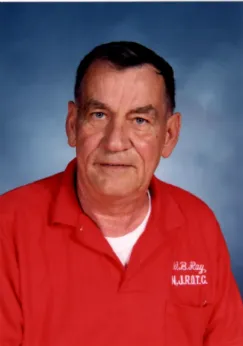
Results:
x,y
114,216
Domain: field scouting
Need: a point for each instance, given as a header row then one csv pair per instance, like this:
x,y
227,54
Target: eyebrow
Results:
x,y
144,110
92,103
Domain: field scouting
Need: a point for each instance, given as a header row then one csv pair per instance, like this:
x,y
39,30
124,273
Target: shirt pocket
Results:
x,y
185,325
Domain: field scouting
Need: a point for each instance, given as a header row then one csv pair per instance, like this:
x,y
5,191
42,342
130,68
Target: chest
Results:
x,y
73,295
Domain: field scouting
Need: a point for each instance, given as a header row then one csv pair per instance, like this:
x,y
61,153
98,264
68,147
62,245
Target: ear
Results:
x,y
71,123
173,127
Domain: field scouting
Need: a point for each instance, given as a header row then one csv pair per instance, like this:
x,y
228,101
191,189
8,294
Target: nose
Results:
x,y
116,137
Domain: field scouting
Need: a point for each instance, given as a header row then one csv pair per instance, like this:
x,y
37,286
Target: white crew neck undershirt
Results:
x,y
122,246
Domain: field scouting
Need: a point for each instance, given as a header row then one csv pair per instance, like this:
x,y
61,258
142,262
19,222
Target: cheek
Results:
x,y
150,143
149,149
87,143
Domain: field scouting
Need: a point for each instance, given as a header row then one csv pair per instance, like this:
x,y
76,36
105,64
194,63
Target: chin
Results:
x,y
116,191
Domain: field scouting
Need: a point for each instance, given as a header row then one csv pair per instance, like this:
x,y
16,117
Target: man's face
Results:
x,y
121,128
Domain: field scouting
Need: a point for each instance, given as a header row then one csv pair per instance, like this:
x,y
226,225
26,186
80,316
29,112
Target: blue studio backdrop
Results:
x,y
41,46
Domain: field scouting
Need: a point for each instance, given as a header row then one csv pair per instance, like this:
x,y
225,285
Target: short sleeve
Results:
x,y
226,324
11,322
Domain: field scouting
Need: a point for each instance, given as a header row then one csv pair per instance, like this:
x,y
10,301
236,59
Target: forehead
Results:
x,y
131,86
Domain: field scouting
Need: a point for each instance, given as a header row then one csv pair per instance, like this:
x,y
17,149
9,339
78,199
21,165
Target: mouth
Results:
x,y
115,165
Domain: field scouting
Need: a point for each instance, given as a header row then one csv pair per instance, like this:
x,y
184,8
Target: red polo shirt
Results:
x,y
62,285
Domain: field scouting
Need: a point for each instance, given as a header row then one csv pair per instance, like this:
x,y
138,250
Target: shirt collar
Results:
x,y
66,208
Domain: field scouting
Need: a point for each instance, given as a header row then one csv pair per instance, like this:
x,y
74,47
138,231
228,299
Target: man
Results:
x,y
105,254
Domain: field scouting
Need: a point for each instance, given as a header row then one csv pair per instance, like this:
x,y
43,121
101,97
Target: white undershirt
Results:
x,y
122,246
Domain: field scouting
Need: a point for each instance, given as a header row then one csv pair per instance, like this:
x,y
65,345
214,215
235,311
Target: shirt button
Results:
x,y
81,228
205,303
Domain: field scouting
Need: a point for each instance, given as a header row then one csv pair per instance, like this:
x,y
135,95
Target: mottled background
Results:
x,y
40,48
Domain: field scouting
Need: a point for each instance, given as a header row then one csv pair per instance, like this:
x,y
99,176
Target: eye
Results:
x,y
141,121
98,115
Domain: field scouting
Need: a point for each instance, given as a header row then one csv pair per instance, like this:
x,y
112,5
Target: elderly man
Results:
x,y
104,253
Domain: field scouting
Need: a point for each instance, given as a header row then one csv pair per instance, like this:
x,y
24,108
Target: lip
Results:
x,y
114,165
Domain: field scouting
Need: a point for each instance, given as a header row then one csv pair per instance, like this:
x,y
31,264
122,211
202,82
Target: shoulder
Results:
x,y
31,196
202,229
199,218
186,201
